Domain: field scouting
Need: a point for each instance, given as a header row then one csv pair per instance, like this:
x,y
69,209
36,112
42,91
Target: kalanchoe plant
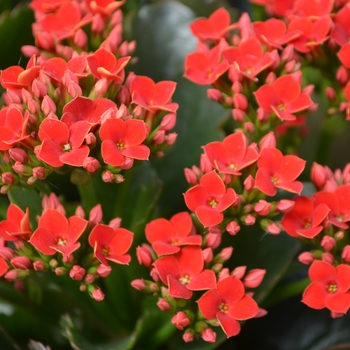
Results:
x,y
79,115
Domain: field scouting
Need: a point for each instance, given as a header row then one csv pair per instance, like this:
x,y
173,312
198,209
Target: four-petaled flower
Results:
x,y
56,233
229,304
183,273
209,199
111,244
167,236
329,287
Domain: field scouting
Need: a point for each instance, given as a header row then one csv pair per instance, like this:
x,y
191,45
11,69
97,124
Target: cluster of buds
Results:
x,y
80,115
55,245
184,267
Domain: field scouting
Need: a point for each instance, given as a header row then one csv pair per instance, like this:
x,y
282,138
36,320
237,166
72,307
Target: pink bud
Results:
x,y
39,265
238,115
236,87
233,228
154,274
108,176
240,101
124,96
163,304
89,278
115,223
249,127
159,137
21,262
191,177
187,337
318,175
330,93
270,79
180,320
276,59
285,205
261,313
144,257
7,178
342,75
328,258
98,24
60,271
339,236
205,164
239,271
168,122
225,254
95,215
215,95
290,66
138,284
328,242
101,87
268,141
262,115
209,335
77,273
273,228
171,138
207,255
249,183
306,258
287,53
30,50
11,275
223,274
18,155
213,240
249,220
91,164
346,254
79,211
80,38
262,207
90,138
98,295
38,88
103,270
254,278
67,259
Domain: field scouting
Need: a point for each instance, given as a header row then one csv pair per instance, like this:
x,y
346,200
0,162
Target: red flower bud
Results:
x,y
180,320
144,257
254,278
21,262
239,271
77,272
209,335
306,258
328,242
138,284
163,304
98,295
103,270
328,258
346,254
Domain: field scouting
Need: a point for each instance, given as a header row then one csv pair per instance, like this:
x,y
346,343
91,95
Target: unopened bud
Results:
x,y
328,242
180,320
254,278
239,271
328,258
77,273
103,270
98,295
306,258
209,335
163,304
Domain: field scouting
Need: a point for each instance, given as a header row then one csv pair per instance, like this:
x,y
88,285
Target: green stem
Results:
x,y
88,195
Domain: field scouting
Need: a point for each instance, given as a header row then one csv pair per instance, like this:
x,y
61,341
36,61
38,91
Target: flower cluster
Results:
x,y
57,244
184,267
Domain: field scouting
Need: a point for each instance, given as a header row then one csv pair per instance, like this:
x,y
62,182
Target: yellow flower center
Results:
x,y
121,145
105,251
184,279
332,287
61,241
212,202
223,307
67,147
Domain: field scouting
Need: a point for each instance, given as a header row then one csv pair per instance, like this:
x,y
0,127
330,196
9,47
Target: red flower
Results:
x,y
273,32
166,236
205,68
56,233
278,171
283,98
313,8
249,57
305,218
184,272
341,30
121,139
329,287
344,54
103,64
16,224
209,199
214,28
3,266
12,127
83,108
314,32
111,244
104,7
153,96
231,155
338,203
228,304
63,145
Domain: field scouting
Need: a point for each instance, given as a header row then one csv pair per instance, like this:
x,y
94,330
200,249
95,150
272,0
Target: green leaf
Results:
x,y
15,31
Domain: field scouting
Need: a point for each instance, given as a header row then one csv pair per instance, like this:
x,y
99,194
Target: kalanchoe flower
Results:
x,y
56,233
232,154
278,171
153,96
122,140
183,273
16,224
111,244
209,199
283,98
305,219
3,266
167,236
228,304
329,287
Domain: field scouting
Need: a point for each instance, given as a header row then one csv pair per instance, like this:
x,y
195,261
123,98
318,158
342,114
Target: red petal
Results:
x,y
231,289
244,308
162,248
145,87
203,281
50,152
111,154
263,182
135,133
164,90
287,88
320,213
230,326
226,200
338,302
113,129
67,249
322,272
101,234
343,277
140,152
3,267
167,265
302,102
266,97
209,304
76,227
54,221
190,259
42,239
75,157
78,131
55,130
209,216
213,184
121,241
291,168
160,230
195,197
182,223
314,295
120,259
